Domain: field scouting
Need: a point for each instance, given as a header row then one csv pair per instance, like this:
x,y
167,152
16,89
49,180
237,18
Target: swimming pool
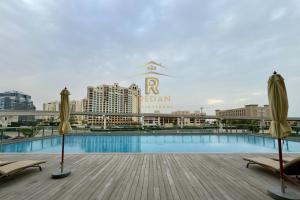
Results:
x,y
152,144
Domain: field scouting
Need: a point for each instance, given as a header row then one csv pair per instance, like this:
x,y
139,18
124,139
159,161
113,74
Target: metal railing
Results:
x,y
5,113
10,134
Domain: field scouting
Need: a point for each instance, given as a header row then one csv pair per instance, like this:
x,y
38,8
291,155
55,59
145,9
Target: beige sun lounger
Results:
x,y
290,168
5,162
18,166
285,159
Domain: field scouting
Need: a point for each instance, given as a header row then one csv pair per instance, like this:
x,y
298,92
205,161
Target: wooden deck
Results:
x,y
140,176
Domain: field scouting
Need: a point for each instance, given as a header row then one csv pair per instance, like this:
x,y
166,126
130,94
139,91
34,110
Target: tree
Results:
x,y
30,132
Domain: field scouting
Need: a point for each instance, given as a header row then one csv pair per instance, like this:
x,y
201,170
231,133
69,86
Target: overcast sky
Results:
x,y
219,53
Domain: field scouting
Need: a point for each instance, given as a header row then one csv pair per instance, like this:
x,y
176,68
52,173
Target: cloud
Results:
x,y
295,78
256,93
243,99
278,13
214,101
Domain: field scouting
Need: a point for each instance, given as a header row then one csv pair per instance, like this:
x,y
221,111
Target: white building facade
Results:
x,y
75,106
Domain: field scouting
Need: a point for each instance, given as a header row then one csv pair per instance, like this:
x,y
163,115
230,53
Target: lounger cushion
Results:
x,y
289,168
285,159
266,162
292,167
5,162
19,165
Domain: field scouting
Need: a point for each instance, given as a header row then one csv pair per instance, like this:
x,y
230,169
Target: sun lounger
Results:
x,y
285,159
18,166
290,168
5,162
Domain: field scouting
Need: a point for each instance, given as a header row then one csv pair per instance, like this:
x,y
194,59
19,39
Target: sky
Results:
x,y
219,54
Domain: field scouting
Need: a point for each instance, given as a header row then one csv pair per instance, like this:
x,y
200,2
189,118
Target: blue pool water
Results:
x,y
165,143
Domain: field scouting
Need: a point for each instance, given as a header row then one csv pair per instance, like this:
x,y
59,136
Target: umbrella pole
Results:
x,y
62,153
281,166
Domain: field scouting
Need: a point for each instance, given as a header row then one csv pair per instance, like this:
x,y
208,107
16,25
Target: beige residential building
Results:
x,y
113,99
252,110
84,105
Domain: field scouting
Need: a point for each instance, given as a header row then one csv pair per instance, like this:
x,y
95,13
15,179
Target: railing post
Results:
x,y
182,122
52,130
1,139
18,129
158,122
142,122
43,131
104,122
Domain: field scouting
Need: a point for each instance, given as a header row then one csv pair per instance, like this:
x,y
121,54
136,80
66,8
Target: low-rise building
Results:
x,y
183,118
190,121
251,110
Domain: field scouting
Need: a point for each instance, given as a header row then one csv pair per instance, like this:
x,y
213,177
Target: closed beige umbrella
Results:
x,y
278,101
279,128
64,113
63,128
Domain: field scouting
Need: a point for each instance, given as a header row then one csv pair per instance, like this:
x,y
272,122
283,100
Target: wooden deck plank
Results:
x,y
133,189
107,178
130,181
155,178
141,176
169,178
150,189
183,180
116,178
167,188
120,187
140,182
180,187
196,184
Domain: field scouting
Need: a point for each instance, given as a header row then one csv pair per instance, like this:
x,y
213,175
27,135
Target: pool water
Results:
x,y
151,144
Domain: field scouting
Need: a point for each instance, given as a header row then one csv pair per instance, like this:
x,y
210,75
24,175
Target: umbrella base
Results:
x,y
61,173
290,194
